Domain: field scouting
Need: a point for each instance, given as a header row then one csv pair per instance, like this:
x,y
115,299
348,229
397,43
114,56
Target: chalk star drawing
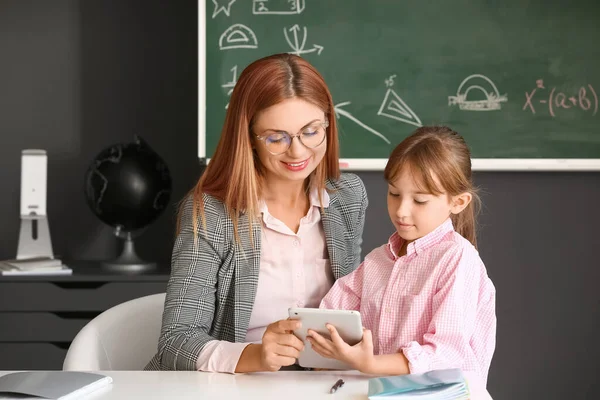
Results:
x,y
222,5
480,83
238,36
394,107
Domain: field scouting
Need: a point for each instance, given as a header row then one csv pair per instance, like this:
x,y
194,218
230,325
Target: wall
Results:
x,y
77,76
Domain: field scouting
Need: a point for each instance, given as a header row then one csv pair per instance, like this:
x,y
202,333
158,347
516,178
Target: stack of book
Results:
x,y
62,385
34,266
433,385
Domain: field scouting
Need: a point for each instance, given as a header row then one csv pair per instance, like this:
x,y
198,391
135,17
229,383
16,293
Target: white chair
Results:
x,y
124,337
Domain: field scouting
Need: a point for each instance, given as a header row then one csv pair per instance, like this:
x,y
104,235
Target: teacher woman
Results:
x,y
271,224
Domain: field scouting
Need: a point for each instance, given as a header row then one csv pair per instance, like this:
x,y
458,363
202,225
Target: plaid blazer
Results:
x,y
213,279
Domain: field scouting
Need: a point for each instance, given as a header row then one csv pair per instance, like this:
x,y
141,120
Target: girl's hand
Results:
x,y
279,345
360,356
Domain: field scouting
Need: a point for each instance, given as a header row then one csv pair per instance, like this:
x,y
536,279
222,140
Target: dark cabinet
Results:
x,y
40,315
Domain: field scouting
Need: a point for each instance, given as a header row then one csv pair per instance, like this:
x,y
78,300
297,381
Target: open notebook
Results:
x,y
61,385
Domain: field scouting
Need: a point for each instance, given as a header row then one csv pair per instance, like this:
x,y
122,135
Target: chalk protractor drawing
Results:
x,y
478,86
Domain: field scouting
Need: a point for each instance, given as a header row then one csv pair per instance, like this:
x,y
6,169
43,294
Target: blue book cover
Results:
x,y
435,385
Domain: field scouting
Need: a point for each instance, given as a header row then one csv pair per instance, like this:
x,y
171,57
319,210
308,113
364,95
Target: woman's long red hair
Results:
x,y
234,174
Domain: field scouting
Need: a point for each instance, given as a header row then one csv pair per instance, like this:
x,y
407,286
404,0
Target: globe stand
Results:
x,y
128,261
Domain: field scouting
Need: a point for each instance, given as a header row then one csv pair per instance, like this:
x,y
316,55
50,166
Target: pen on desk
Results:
x,y
336,386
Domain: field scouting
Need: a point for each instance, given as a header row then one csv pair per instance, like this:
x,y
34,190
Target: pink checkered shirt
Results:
x,y
436,304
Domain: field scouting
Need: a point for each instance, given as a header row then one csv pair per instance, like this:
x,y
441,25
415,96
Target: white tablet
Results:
x,y
347,323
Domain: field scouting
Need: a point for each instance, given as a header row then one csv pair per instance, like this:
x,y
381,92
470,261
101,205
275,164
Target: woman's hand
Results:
x,y
280,347
359,356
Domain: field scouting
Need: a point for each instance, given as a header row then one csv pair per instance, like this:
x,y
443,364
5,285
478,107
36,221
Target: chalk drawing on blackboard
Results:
x,y
238,36
479,83
339,112
394,107
297,44
222,5
231,84
278,7
557,100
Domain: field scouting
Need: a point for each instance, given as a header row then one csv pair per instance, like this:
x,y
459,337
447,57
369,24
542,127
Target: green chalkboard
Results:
x,y
519,79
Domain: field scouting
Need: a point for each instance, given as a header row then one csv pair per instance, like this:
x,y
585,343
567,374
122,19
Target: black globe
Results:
x,y
128,185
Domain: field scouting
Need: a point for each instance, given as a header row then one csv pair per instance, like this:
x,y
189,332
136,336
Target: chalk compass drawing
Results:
x,y
231,84
222,5
586,99
297,44
394,107
340,112
238,36
277,7
482,84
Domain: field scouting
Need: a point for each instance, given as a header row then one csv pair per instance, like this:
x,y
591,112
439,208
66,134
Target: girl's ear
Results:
x,y
460,202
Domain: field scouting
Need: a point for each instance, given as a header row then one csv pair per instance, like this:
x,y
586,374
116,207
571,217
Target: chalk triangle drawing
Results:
x,y
394,107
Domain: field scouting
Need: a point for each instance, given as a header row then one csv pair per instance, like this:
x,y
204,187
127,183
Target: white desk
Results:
x,y
283,385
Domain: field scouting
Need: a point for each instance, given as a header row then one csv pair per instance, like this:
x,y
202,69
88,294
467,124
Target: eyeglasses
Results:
x,y
311,136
